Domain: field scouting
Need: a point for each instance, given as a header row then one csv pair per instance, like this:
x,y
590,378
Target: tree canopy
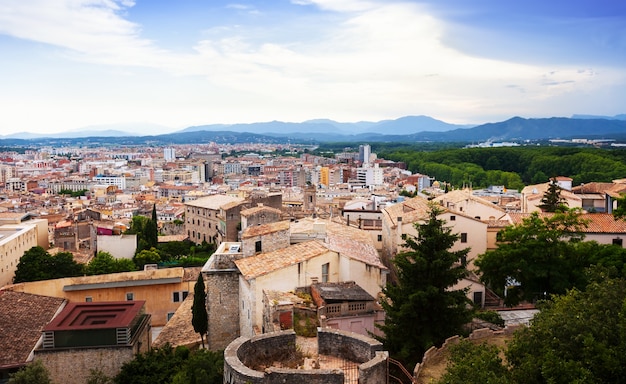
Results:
x,y
536,258
32,373
578,337
421,308
513,167
37,264
168,365
104,263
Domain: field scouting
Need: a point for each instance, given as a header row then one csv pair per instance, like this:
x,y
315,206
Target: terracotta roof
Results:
x,y
213,202
22,319
253,210
459,195
264,263
354,249
411,210
96,315
596,222
179,330
264,229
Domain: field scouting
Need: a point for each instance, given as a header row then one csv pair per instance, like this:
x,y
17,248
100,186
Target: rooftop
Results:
x,y
179,330
96,315
214,202
22,317
264,263
345,291
264,229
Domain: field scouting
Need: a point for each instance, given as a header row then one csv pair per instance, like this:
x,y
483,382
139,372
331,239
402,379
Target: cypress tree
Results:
x,y
199,318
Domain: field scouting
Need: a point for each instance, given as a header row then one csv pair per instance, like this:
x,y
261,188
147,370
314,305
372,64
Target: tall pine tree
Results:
x,y
199,318
421,308
552,201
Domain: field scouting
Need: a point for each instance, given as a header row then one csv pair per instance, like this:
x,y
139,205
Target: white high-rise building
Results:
x,y
169,154
364,153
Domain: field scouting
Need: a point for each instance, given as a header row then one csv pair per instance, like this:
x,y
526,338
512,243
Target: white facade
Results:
x,y
370,176
118,181
169,154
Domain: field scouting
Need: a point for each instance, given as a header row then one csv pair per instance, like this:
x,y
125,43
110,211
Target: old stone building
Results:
x,y
202,221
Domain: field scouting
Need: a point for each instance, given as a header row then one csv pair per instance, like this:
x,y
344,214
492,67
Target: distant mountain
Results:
x,y
103,130
316,131
401,126
616,117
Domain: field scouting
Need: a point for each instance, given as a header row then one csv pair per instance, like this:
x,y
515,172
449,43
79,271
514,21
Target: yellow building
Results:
x,y
325,176
163,290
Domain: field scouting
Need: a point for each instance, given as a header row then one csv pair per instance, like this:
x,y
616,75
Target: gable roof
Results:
x,y
596,222
264,263
460,195
264,229
411,210
22,319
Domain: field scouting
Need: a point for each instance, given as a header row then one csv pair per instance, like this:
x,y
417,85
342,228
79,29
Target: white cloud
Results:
x,y
376,59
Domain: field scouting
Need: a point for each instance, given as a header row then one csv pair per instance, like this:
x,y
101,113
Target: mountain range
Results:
x,y
404,129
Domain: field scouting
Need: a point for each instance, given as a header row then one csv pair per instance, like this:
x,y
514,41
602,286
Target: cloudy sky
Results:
x,y
68,64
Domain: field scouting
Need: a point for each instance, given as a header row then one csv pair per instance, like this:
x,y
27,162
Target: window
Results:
x,y
179,296
452,218
463,237
257,246
130,296
617,241
170,315
88,299
325,268
380,237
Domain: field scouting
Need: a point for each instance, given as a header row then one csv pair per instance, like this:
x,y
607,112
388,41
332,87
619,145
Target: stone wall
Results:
x,y
478,334
347,345
222,307
72,366
245,352
269,242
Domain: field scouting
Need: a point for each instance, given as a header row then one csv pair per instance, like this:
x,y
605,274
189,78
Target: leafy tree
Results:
x,y
146,231
421,309
539,255
147,256
174,250
33,373
552,201
579,337
158,366
37,264
199,319
202,367
96,376
104,263
475,364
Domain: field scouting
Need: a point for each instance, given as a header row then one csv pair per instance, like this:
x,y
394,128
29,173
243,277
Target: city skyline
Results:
x,y
163,65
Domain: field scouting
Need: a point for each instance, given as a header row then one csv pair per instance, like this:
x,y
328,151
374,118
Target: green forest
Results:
x,y
513,167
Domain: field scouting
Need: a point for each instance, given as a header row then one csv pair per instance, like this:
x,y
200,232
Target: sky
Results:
x,y
164,65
